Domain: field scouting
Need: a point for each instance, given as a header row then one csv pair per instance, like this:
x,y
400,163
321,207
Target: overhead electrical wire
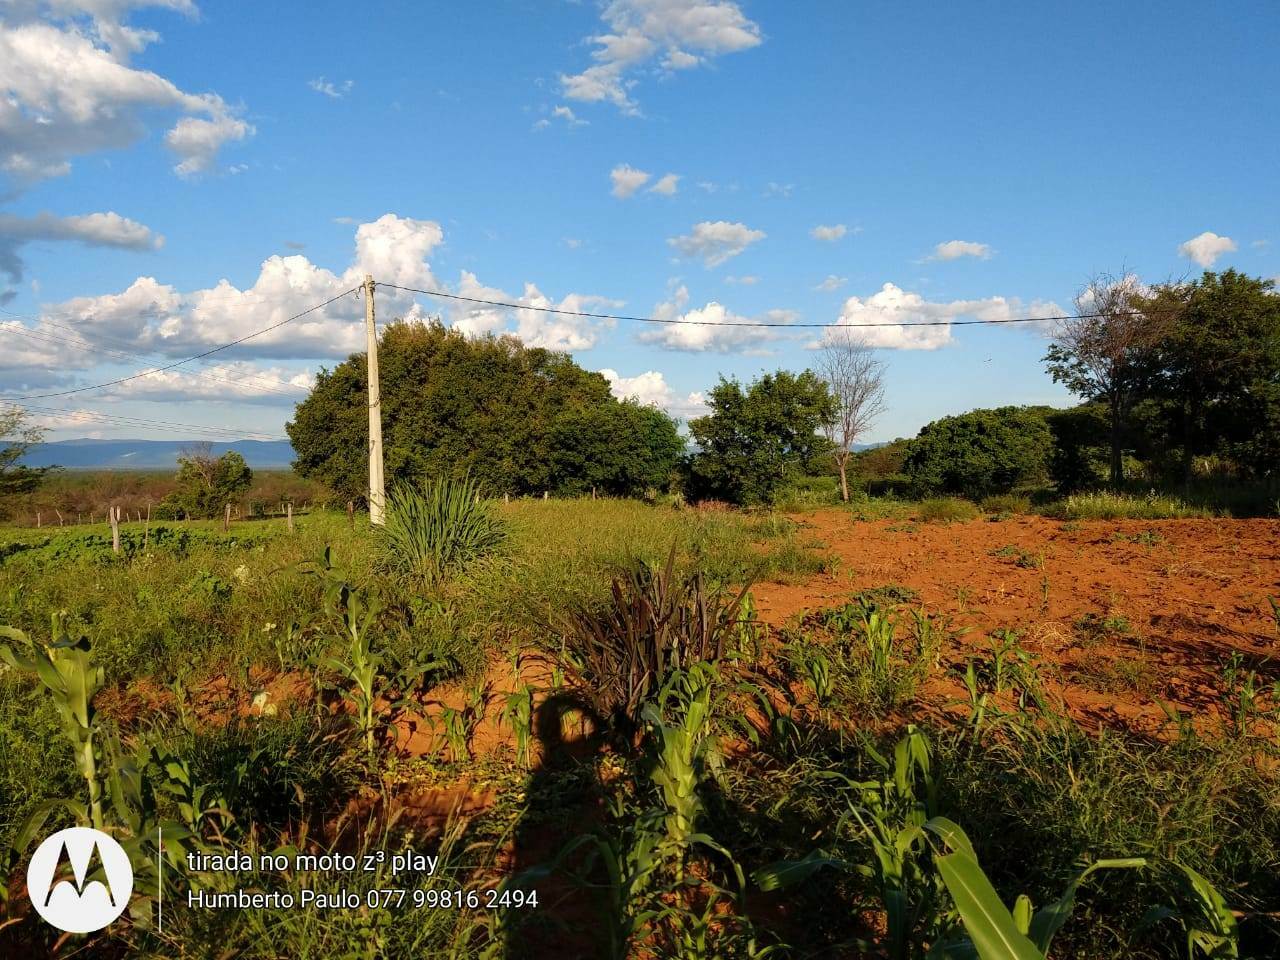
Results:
x,y
213,432
198,356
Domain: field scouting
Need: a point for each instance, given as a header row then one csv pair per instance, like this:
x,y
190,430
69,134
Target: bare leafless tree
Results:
x,y
1101,353
855,379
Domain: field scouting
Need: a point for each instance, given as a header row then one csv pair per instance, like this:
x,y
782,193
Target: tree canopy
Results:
x,y
755,439
206,484
981,452
517,419
17,436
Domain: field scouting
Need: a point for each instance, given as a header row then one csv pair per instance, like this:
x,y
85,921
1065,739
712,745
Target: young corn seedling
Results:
x,y
816,669
1209,923
991,929
455,733
361,665
65,667
518,712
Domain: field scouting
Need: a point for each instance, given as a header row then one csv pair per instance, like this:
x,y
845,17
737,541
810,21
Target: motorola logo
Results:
x,y
79,880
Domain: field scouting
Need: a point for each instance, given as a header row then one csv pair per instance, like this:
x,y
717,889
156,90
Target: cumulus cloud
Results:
x,y
651,389
749,280
829,233
240,381
900,309
715,242
712,328
335,91
1206,248
627,180
682,33
70,90
955,249
666,185
832,282
92,229
534,327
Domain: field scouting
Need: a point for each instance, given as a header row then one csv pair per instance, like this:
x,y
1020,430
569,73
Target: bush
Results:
x,y
433,533
1119,506
982,452
946,510
1006,503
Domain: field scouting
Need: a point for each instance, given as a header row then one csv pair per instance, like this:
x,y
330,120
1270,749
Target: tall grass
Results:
x,y
1103,505
437,531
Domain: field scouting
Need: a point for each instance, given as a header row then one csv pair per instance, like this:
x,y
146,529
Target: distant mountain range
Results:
x,y
90,454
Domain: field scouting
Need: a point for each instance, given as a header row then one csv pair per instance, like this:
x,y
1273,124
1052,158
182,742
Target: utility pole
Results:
x,y
377,492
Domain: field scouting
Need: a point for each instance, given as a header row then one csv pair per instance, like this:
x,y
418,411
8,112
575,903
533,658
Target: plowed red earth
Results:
x,y
1179,597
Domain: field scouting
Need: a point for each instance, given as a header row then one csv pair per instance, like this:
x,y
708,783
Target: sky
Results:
x,y
176,176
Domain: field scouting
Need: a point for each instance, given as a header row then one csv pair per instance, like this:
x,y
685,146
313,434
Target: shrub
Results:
x,y
946,510
981,452
1119,506
1006,503
432,533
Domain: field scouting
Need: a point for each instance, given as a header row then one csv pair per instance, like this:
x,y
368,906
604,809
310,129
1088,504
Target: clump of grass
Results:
x,y
1006,505
1120,506
946,510
434,532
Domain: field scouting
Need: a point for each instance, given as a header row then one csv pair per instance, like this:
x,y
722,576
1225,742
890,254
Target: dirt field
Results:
x,y
1119,613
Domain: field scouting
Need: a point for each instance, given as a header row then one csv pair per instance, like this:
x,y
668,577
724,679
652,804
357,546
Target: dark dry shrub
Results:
x,y
656,621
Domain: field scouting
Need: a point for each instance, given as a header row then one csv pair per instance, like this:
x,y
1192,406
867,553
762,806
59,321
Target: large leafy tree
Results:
x,y
17,436
1218,369
205,484
1104,352
981,452
755,438
506,414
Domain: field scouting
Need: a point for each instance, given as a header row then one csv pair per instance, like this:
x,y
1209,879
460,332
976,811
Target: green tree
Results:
x,y
17,436
206,484
1218,369
1103,353
616,448
982,452
487,407
755,439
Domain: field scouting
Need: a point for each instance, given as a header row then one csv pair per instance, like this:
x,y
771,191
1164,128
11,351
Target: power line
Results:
x,y
263,383
216,433
677,321
198,356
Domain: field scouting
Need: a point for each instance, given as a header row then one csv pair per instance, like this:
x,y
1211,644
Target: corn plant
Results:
x,y
684,754
816,670
65,667
518,712
1208,922
991,929
455,733
361,664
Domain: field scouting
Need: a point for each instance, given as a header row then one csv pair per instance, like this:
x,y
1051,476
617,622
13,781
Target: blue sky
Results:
x,y
821,162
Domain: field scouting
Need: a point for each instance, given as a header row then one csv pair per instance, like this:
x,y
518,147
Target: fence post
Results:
x,y
351,513
113,514
146,531
226,519
289,514
37,519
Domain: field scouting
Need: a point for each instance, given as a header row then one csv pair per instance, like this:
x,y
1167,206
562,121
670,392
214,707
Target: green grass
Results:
x,y
1119,506
946,510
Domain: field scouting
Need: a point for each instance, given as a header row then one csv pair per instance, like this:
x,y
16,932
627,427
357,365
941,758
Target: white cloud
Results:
x,y
651,389
1206,248
711,328
778,189
69,90
750,280
829,233
684,32
666,185
715,242
955,249
568,116
239,381
900,309
832,282
626,180
197,141
93,229
334,90
533,327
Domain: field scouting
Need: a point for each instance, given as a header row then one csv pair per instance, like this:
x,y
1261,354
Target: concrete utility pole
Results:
x,y
377,492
